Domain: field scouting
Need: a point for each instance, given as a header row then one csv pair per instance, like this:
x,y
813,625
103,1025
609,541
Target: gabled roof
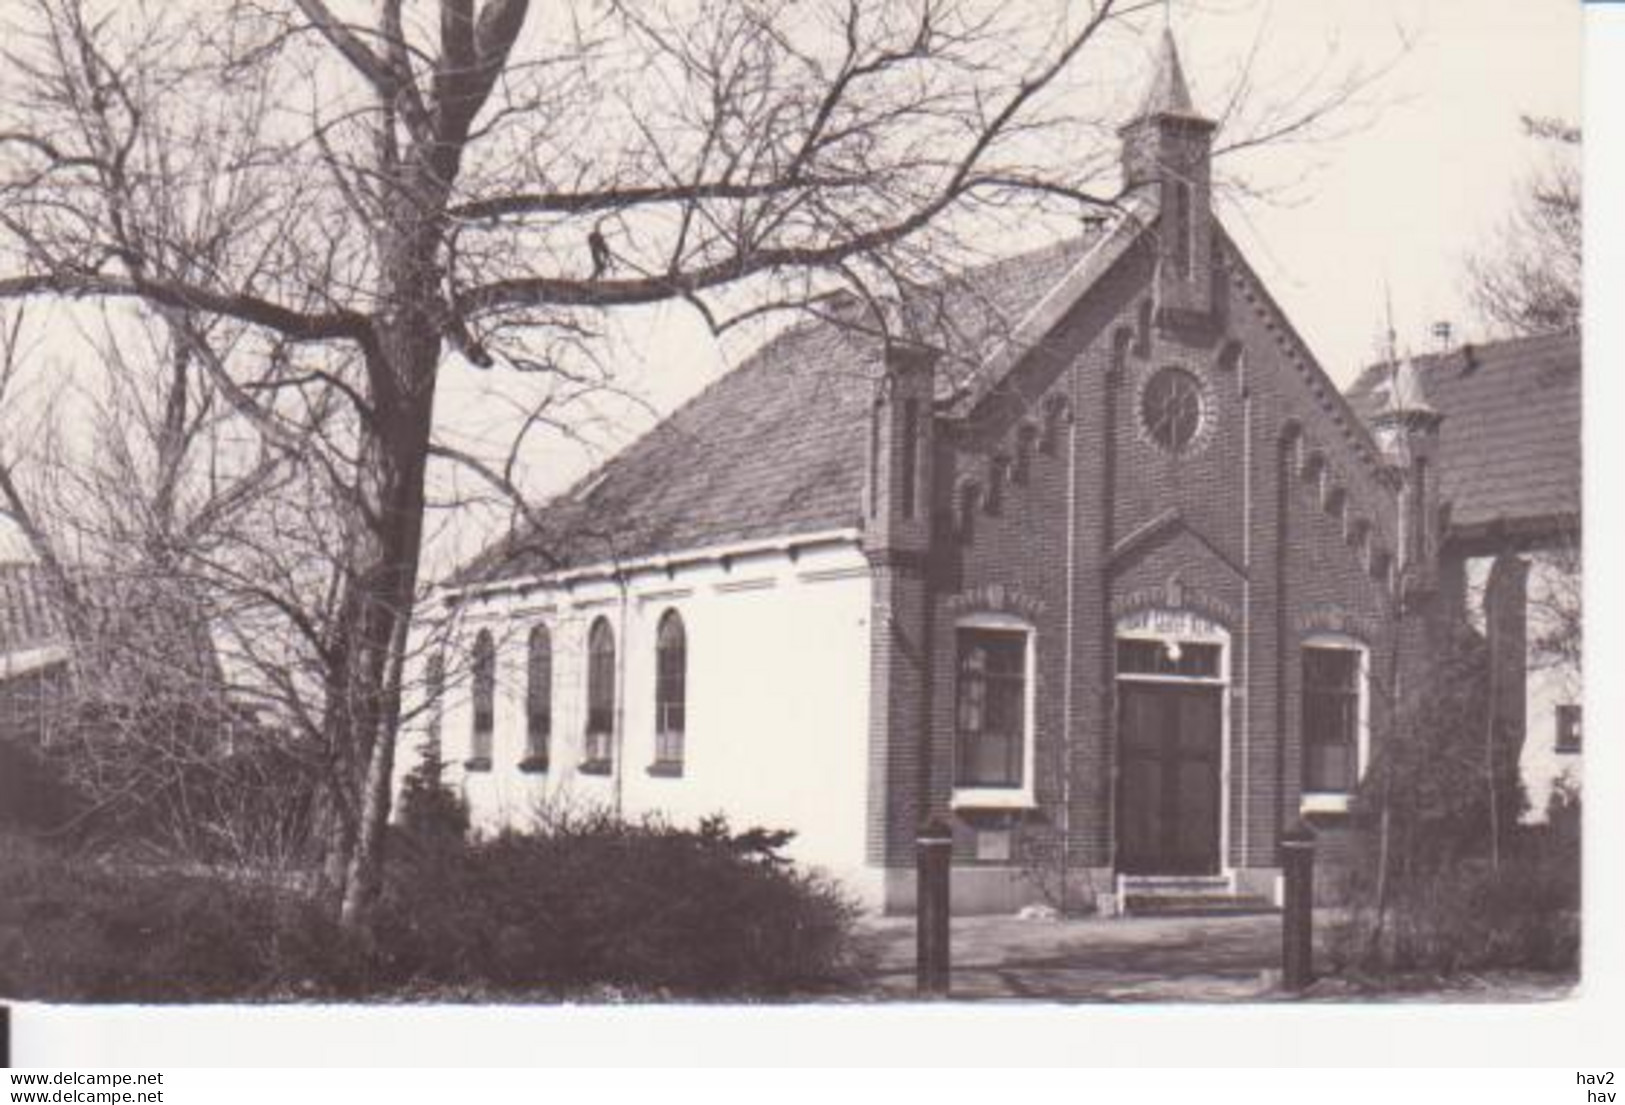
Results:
x,y
1509,442
776,447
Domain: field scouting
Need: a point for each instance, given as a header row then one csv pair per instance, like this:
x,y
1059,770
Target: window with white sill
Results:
x,y
1334,721
993,713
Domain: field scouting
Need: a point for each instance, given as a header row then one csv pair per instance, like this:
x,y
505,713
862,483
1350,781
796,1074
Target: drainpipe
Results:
x,y
624,646
1246,679
1069,645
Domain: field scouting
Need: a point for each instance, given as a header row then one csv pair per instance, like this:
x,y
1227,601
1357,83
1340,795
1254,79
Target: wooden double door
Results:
x,y
1170,748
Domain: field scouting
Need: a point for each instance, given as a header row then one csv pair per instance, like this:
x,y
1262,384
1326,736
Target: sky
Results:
x,y
1385,204
1399,201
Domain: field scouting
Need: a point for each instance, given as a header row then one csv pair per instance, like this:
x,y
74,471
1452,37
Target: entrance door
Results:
x,y
1168,788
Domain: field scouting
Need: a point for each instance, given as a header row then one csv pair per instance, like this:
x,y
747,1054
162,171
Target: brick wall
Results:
x,y
1273,544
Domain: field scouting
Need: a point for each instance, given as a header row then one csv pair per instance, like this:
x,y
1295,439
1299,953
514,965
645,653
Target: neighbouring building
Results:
x,y
117,654
1112,598
1509,484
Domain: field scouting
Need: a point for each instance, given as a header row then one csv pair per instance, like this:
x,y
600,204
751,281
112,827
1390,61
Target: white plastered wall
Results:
x,y
777,698
1553,585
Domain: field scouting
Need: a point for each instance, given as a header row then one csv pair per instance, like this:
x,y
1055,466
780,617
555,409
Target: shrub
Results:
x,y
1524,914
592,900
579,904
1440,876
33,794
76,929
432,814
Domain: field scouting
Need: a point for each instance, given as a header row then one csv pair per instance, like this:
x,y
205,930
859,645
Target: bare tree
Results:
x,y
1527,280
396,185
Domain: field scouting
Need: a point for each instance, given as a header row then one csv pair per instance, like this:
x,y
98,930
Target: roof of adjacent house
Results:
x,y
776,446
30,617
154,624
1509,442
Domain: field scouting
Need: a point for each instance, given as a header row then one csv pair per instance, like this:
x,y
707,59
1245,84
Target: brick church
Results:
x,y
1113,602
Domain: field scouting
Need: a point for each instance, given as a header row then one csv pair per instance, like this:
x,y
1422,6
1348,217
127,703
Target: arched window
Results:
x,y
998,474
671,693
1056,414
538,699
970,501
484,665
1182,228
600,742
1026,438
909,457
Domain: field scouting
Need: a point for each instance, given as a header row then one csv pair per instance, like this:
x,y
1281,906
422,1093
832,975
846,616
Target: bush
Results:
x,y
75,929
1524,914
579,904
1440,875
594,900
33,794
433,815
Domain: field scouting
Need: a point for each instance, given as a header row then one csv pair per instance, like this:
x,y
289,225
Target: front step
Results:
x,y
1186,896
1195,905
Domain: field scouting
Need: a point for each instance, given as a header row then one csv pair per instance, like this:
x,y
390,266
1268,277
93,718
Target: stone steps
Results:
x,y
1195,905
1186,896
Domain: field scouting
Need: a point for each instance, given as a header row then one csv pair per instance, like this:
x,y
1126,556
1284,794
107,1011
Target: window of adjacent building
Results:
x,y
600,737
1568,727
1332,717
992,708
671,691
538,699
434,691
484,668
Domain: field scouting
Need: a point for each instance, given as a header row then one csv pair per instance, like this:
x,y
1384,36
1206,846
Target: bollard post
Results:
x,y
1297,913
933,853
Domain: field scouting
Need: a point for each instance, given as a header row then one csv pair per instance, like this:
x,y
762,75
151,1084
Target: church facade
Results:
x,y
1118,600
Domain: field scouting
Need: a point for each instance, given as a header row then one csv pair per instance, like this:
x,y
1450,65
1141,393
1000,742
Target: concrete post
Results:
x,y
933,854
1297,914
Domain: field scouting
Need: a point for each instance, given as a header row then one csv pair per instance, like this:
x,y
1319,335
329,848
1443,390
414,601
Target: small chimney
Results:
x,y
1442,332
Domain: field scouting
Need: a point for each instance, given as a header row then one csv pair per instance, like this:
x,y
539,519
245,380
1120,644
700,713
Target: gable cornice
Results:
x,y
1139,212
1158,531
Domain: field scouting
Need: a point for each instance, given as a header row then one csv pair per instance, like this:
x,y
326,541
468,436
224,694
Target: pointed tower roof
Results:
x,y
1406,395
1168,93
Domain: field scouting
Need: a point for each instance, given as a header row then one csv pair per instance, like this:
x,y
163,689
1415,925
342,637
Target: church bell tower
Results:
x,y
1168,150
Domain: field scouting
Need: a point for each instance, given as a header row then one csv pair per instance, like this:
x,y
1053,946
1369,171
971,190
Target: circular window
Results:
x,y
1171,408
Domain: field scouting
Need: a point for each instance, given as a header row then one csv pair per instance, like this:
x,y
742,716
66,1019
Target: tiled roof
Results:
x,y
147,622
29,616
1509,448
777,446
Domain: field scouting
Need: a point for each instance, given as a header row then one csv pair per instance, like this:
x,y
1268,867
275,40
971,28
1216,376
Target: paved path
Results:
x,y
1138,959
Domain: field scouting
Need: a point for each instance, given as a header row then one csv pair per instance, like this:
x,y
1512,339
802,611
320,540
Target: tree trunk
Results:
x,y
381,585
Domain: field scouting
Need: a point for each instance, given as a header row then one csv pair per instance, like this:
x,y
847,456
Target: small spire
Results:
x,y
1406,395
1168,94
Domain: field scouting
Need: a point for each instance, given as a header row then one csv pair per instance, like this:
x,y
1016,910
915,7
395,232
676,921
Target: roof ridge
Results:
x,y
492,556
1488,345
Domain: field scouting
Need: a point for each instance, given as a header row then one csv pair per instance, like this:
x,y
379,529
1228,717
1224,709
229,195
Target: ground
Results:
x,y
1204,959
